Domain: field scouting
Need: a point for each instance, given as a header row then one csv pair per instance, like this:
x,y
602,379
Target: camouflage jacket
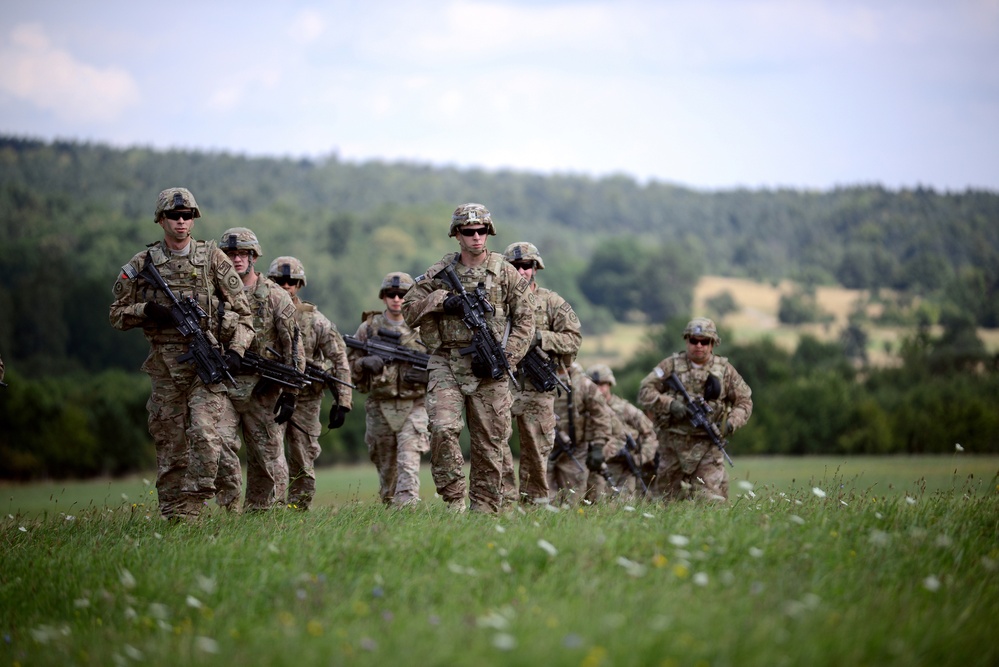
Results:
x,y
734,404
557,329
323,345
507,292
629,420
393,382
274,323
592,417
204,273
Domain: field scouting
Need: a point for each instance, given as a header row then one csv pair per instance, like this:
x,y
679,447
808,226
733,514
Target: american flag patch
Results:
x,y
128,272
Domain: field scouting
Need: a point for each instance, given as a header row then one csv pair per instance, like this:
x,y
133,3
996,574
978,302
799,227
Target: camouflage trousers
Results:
x,y
690,468
183,424
302,450
487,404
535,415
252,416
567,475
628,487
396,435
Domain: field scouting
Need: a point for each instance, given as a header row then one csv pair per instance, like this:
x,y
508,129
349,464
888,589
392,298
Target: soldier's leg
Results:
x,y
489,429
303,450
209,408
537,436
670,478
715,478
229,480
167,407
381,443
412,441
444,405
266,466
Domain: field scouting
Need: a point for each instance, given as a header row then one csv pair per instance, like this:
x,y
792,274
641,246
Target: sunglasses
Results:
x,y
703,342
481,231
394,294
285,280
238,253
523,265
179,215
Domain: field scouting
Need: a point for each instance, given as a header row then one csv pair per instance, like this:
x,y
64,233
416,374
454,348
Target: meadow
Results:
x,y
814,561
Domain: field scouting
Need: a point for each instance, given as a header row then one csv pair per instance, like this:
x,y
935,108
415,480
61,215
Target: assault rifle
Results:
x,y
286,375
698,410
202,351
386,344
541,370
488,358
318,375
631,446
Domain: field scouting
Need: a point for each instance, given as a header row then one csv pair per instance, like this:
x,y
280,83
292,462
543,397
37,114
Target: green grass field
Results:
x,y
814,562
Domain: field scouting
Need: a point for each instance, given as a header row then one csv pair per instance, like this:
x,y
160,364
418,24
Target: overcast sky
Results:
x,y
711,94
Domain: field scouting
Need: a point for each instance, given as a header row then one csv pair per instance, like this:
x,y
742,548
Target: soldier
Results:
x,y
557,334
323,346
396,423
257,401
690,465
627,420
183,411
583,428
455,382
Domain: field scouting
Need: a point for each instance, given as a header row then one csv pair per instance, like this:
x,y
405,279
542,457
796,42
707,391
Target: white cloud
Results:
x,y
34,70
307,26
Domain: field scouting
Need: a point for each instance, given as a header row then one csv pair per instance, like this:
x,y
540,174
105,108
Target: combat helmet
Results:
x,y
287,267
396,280
471,214
172,198
602,374
240,238
702,326
522,251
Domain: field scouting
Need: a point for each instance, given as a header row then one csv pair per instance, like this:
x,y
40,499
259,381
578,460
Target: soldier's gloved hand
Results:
x,y
233,361
677,409
285,407
727,428
158,313
452,305
373,364
338,415
595,458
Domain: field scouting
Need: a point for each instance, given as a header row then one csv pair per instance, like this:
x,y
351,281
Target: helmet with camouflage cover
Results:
x,y
471,214
287,267
396,280
522,251
602,374
172,198
240,238
702,326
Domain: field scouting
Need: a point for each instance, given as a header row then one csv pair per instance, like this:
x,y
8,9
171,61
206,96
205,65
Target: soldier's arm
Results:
x,y
652,394
565,335
600,415
335,349
422,300
355,355
740,397
126,311
229,288
520,303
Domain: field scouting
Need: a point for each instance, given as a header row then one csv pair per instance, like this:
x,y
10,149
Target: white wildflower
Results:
x,y
22,529
879,515
910,500
81,603
548,547
628,508
631,567
797,519
878,538
158,610
157,536
70,517
647,515
504,641
124,497
133,653
679,540
550,508
500,529
943,541
931,583
843,503
130,614
818,492
127,580
273,548
745,485
958,447
206,644
206,584
505,566
194,602
756,552
701,579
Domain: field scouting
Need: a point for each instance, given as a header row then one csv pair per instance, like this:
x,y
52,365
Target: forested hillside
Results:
x,y
72,213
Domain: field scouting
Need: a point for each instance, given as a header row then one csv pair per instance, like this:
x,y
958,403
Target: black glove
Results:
x,y
452,305
373,364
595,458
338,415
677,409
233,361
285,407
158,314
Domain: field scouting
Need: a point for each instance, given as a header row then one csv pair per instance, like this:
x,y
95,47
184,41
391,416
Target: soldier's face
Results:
x,y
179,229
393,301
242,259
605,389
473,239
526,269
699,349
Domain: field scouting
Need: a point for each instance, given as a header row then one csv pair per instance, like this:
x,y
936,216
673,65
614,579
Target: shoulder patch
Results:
x,y
660,373
129,272
232,282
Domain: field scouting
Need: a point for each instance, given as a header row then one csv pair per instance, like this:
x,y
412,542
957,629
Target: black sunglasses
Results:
x,y
179,215
703,342
394,294
285,280
523,265
481,231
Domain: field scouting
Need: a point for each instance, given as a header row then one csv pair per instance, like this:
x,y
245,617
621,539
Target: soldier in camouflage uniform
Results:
x,y
627,420
690,465
590,428
323,346
261,407
183,412
396,422
453,384
557,334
